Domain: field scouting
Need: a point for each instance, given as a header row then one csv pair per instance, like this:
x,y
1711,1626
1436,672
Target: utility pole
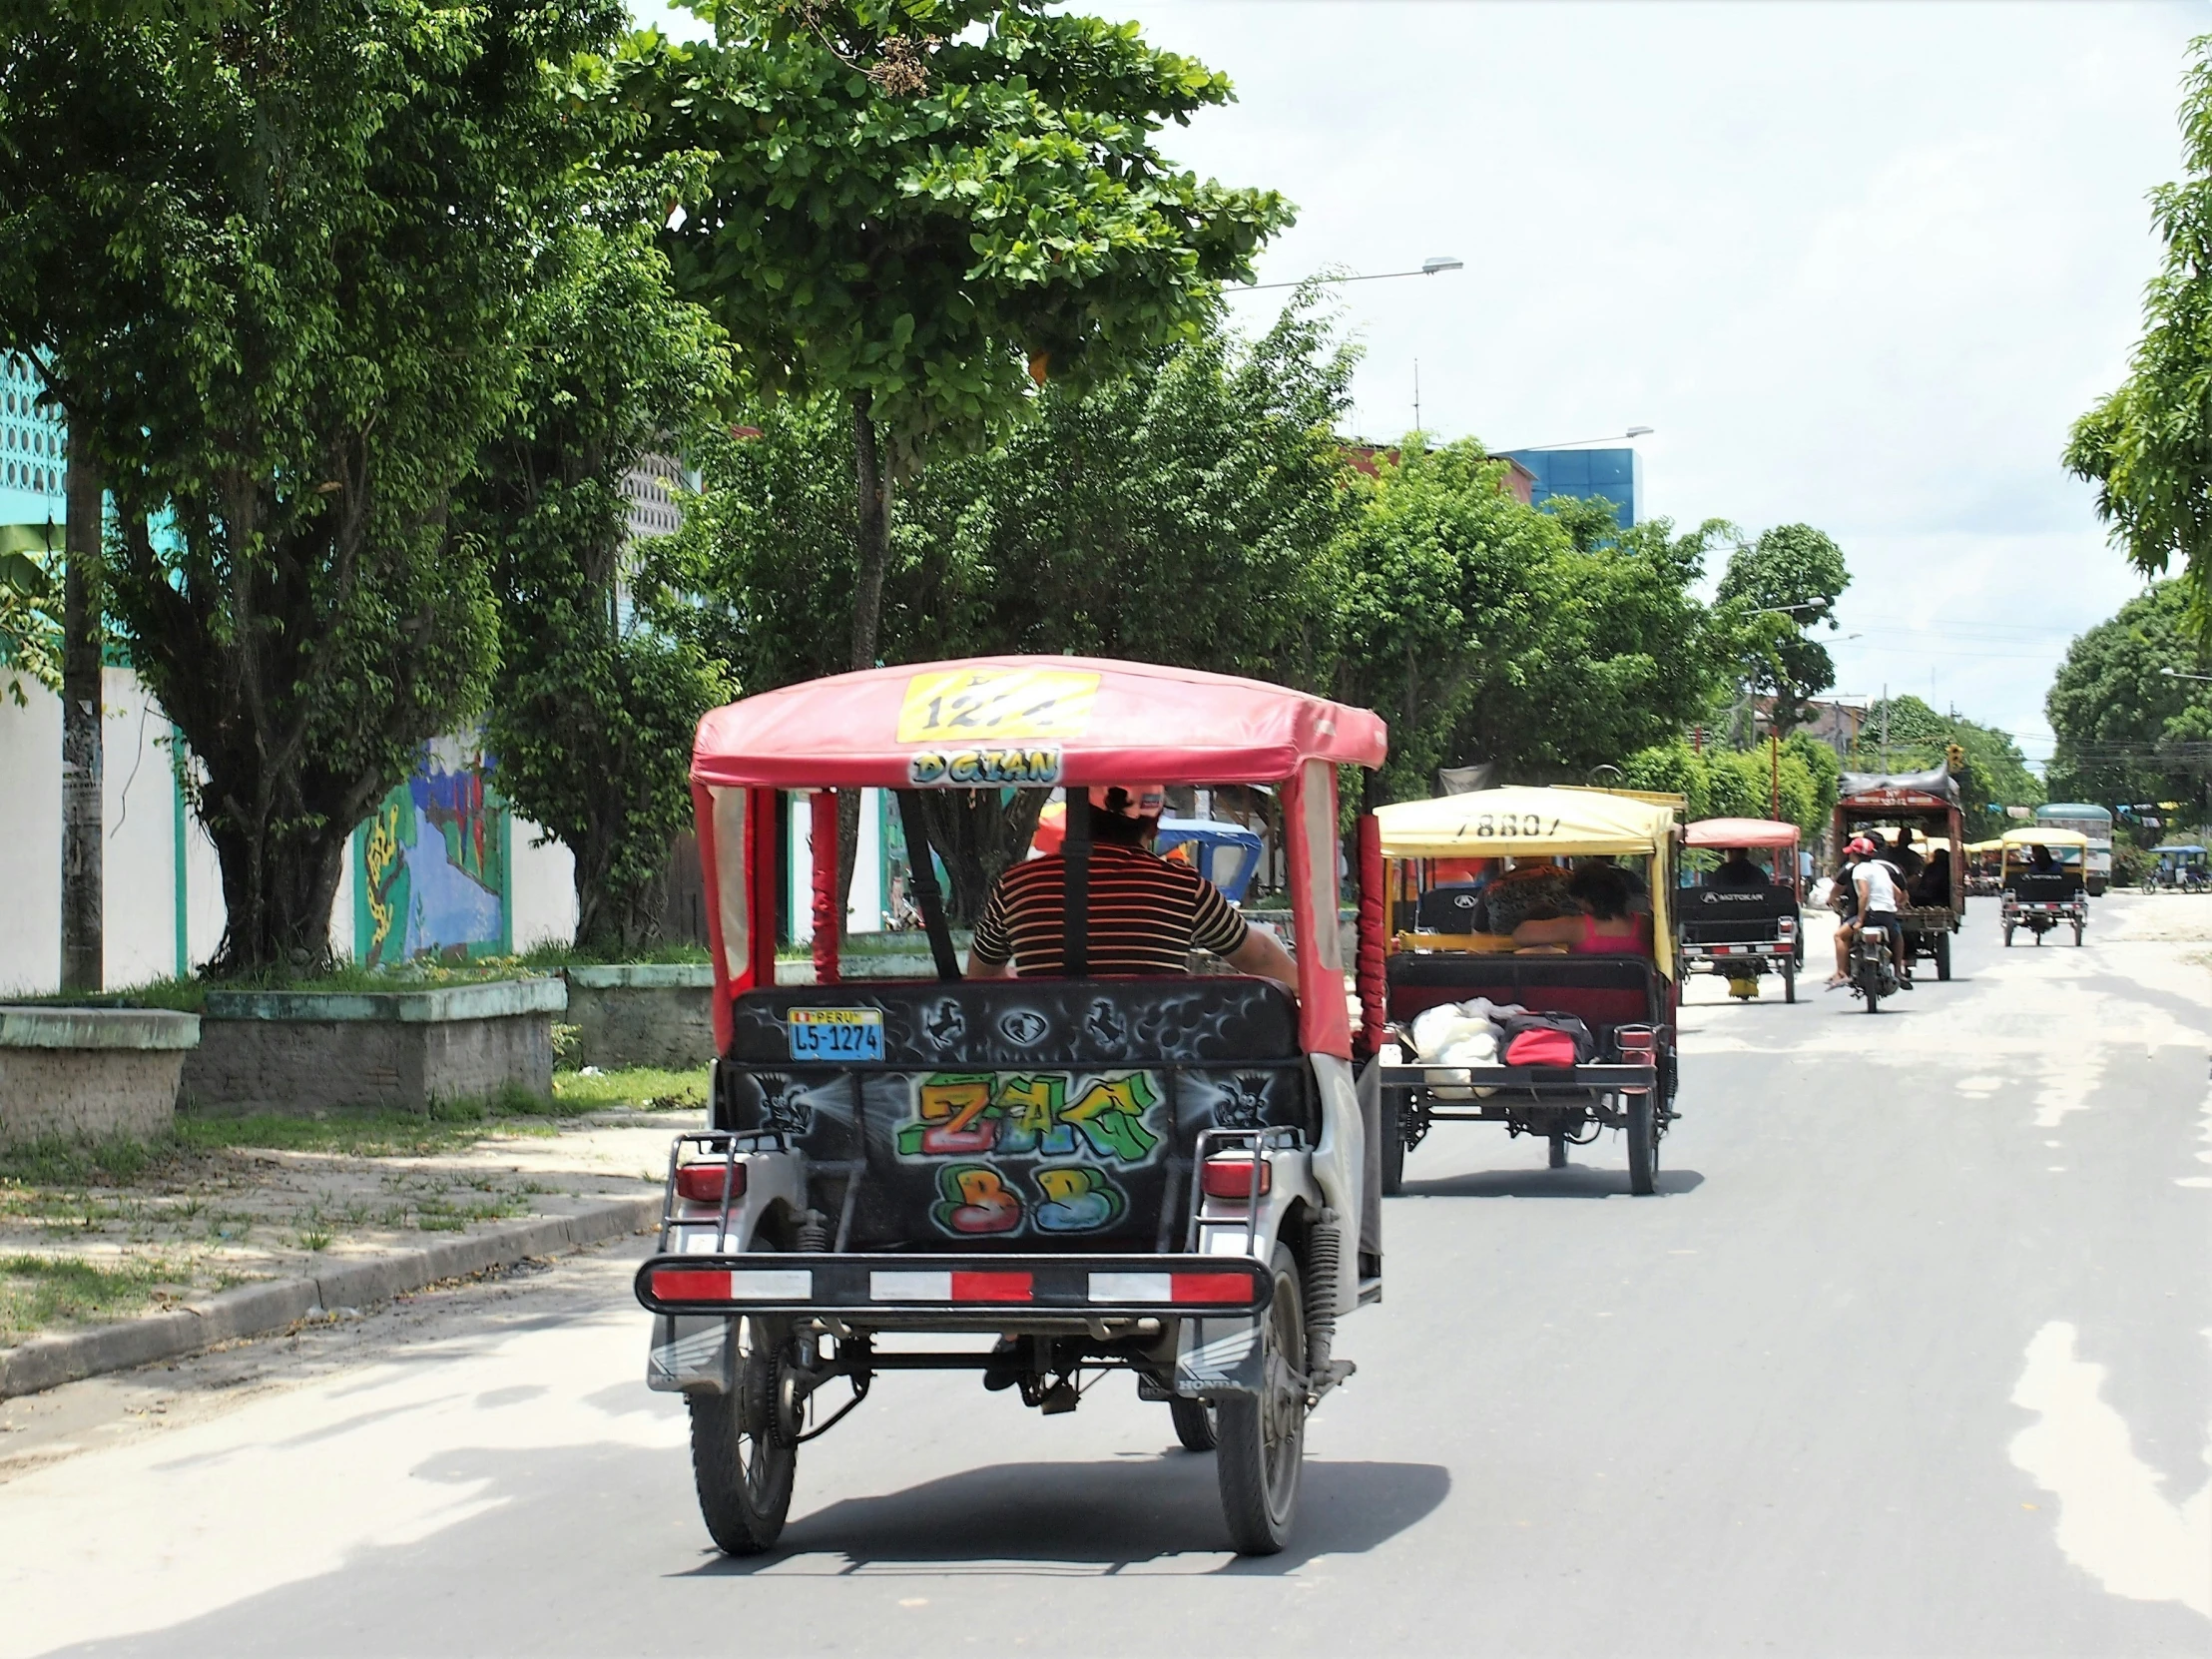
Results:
x,y
84,954
1417,394
1884,725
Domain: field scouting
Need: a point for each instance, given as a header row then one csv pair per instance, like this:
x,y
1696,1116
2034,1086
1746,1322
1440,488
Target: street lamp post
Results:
x,y
2176,674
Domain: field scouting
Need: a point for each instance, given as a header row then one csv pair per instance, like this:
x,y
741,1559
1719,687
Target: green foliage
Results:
x,y
2127,731
2148,445
1741,783
30,607
1170,515
1485,630
1992,775
277,270
592,713
910,200
1794,573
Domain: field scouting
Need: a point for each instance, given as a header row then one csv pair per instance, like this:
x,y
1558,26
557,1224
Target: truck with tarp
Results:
x,y
1926,802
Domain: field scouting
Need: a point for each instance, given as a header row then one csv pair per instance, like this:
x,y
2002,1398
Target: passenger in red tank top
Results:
x,y
1606,929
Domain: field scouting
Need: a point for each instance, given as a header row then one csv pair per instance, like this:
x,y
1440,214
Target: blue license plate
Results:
x,y
837,1033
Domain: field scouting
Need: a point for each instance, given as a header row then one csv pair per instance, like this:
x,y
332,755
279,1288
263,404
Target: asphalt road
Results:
x,y
1912,1355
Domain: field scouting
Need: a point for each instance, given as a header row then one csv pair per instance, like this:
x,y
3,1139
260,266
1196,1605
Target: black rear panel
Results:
x,y
1028,1114
1733,915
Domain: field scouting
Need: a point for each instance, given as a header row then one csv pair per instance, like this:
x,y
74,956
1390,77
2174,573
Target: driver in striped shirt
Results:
x,y
1147,913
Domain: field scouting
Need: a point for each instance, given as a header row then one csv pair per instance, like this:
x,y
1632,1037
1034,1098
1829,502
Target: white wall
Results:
x,y
869,891
541,890
140,865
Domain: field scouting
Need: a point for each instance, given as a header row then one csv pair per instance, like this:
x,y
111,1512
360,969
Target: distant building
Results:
x,y
32,441
1616,474
1520,483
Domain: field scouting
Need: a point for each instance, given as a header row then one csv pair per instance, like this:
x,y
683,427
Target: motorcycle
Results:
x,y
1874,969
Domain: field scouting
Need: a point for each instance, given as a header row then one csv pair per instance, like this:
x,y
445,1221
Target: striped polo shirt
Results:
x,y
1146,915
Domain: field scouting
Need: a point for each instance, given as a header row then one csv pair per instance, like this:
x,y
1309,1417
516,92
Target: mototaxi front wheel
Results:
x,y
1263,1435
1197,1428
745,1443
1643,1143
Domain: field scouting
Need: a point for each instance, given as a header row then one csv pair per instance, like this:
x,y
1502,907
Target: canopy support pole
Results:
x,y
823,822
1075,890
921,872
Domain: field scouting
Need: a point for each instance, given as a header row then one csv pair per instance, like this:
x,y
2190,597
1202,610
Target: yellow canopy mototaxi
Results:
x,y
2041,901
1624,1075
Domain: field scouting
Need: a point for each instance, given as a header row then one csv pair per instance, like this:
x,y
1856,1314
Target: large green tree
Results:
x,y
2127,730
1176,513
1488,631
276,271
1775,592
921,207
592,710
2148,445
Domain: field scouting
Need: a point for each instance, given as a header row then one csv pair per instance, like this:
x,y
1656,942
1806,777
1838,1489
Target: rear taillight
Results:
x,y
1636,1042
1787,927
708,1183
1231,1178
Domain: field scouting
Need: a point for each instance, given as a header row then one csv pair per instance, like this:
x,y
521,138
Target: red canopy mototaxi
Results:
x,y
1027,722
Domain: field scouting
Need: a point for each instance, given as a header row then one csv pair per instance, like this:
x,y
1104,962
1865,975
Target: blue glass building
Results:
x,y
1616,474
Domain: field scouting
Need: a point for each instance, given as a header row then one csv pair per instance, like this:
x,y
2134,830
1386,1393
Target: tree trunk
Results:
x,y
978,839
277,890
614,919
83,943
874,543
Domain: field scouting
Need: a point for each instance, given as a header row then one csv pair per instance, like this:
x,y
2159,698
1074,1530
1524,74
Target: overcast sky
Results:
x,y
1858,265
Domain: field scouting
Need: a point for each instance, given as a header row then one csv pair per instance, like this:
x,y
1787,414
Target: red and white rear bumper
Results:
x,y
955,1291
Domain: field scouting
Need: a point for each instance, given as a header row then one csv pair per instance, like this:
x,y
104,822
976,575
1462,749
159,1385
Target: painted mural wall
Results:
x,y
433,868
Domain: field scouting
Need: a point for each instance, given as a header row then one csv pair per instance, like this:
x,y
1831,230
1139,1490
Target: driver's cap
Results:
x,y
1130,799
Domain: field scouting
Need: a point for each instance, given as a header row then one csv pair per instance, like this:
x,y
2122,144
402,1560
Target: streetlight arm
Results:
x,y
1430,268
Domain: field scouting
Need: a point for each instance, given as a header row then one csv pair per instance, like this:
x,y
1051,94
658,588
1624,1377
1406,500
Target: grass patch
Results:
x,y
551,959
190,996
448,1127
55,1162
37,1291
648,1087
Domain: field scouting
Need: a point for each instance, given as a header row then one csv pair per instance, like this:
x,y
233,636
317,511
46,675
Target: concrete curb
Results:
x,y
255,1310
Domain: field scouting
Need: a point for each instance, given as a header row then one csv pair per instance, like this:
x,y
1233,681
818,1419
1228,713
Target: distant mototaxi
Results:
x,y
2043,900
1744,932
1165,1176
1448,947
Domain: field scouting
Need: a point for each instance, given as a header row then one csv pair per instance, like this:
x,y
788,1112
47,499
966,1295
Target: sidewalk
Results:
x,y
116,1255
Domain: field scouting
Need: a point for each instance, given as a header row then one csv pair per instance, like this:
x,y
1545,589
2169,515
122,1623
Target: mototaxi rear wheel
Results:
x,y
1643,1143
745,1443
1263,1435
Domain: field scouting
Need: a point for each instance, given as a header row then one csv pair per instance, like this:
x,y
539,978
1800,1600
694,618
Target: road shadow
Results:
x,y
1098,1514
1575,1180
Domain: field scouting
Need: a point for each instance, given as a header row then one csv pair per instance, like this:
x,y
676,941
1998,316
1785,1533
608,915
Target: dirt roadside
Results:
x,y
102,1411
93,1235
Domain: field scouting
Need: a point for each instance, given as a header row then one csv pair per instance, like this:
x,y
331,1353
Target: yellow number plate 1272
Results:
x,y
837,1033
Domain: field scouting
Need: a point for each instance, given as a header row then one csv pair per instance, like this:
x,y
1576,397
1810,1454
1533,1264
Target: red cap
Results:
x,y
1859,843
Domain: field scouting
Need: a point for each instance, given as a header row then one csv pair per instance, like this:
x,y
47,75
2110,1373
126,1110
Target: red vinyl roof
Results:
x,y
1741,831
1036,721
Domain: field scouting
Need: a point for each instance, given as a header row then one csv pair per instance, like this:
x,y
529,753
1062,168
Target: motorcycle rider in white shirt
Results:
x,y
1879,891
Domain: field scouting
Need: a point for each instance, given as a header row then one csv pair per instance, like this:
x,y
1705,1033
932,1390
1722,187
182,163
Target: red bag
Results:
x,y
1541,1047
